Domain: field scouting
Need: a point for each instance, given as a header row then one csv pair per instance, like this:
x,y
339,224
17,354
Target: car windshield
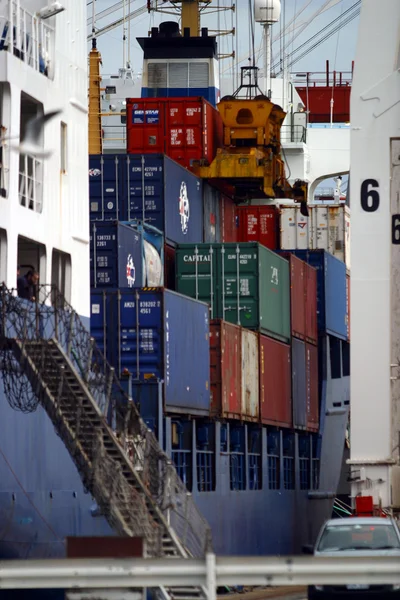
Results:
x,y
358,537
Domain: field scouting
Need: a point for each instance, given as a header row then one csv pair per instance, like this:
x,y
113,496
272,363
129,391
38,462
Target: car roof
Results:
x,y
359,521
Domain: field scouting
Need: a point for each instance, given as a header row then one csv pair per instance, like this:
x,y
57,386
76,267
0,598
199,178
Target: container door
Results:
x,y
196,274
145,121
298,291
335,297
143,177
294,229
299,384
104,188
258,224
184,130
229,230
98,320
250,376
310,281
231,370
320,238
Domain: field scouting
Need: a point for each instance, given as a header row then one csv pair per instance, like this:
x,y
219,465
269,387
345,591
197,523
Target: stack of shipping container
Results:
x,y
205,308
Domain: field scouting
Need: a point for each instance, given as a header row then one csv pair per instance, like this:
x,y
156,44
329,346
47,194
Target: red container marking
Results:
x,y
258,224
312,387
225,369
275,382
229,230
185,129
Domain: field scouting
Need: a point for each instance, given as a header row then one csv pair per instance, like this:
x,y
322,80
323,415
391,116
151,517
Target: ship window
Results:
x,y
304,461
64,147
254,457
237,458
182,451
178,75
274,460
5,94
288,461
346,359
198,75
32,256
30,167
315,448
3,256
334,346
205,456
61,273
157,75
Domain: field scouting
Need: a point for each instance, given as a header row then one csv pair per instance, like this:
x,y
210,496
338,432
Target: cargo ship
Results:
x,y
218,349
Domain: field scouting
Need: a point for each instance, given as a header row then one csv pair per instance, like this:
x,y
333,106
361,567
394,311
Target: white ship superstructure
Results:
x,y
43,204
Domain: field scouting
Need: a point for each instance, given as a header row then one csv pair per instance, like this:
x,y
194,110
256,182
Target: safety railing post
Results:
x,y
211,580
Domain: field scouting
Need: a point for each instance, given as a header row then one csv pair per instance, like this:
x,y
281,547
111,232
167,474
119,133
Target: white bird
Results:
x,y
30,144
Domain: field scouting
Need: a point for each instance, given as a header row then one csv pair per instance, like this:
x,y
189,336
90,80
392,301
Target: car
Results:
x,y
356,536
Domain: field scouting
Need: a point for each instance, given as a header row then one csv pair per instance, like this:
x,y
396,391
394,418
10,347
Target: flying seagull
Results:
x,y
30,144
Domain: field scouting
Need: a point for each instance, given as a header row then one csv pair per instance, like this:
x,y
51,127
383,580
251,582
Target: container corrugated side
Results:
x,y
105,192
225,370
310,276
211,213
98,320
299,384
229,229
326,228
165,195
250,405
257,224
331,291
275,383
245,284
151,335
312,387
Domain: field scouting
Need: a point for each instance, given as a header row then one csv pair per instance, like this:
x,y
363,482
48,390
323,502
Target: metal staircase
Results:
x,y
118,458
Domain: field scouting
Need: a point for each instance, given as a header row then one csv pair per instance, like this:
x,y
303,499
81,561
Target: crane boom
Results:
x,y
375,258
117,23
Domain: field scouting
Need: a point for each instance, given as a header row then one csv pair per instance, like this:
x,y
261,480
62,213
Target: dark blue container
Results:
x,y
105,187
116,256
163,194
158,335
331,291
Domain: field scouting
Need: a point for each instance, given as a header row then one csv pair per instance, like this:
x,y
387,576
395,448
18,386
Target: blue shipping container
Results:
x,y
165,195
331,291
159,335
105,190
116,256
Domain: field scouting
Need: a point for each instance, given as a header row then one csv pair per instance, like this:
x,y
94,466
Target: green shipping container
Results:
x,y
246,284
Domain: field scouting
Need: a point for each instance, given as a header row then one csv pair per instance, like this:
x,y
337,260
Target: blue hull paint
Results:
x,y
42,499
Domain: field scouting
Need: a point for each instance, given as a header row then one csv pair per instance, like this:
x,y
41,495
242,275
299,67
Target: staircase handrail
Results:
x,y
49,317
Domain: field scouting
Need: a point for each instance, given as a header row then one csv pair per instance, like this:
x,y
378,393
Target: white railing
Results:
x,y
28,38
30,182
209,573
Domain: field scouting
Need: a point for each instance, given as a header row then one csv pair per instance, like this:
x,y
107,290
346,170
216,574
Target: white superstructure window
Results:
x,y
30,167
64,147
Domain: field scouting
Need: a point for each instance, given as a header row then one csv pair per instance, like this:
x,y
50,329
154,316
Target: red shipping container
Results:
x,y
225,369
229,230
312,387
298,296
185,129
169,267
311,304
258,224
275,382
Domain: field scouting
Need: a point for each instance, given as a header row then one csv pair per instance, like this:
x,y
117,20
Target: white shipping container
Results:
x,y
326,228
250,375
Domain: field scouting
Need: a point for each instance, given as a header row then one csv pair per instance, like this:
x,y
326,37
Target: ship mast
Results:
x,y
375,260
